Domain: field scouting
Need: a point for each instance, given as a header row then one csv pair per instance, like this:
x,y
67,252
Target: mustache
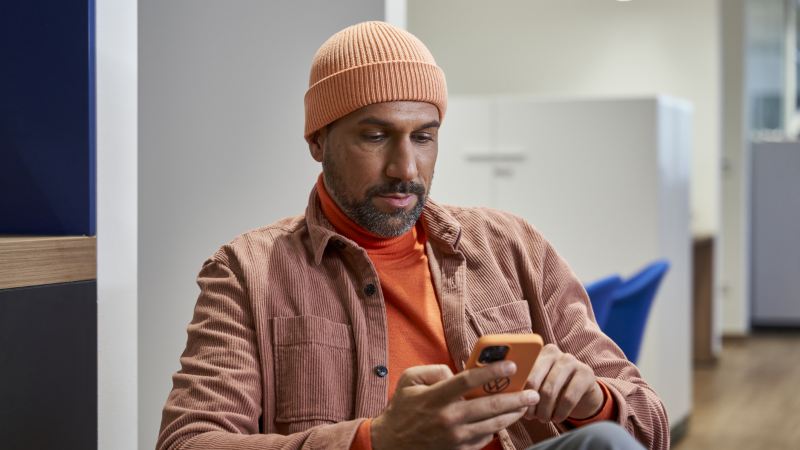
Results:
x,y
401,187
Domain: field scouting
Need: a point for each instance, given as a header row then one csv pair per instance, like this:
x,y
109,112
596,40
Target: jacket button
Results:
x,y
370,290
381,371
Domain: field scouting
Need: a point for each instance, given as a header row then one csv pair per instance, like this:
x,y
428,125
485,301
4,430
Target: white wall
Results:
x,y
611,198
734,317
221,149
396,12
116,51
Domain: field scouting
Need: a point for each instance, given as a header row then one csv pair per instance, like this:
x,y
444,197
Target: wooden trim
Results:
x,y
703,300
36,260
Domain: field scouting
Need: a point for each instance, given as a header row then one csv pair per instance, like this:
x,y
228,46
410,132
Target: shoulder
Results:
x,y
258,243
490,221
480,214
492,233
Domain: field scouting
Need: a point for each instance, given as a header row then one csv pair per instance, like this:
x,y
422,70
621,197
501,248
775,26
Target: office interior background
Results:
x,y
140,134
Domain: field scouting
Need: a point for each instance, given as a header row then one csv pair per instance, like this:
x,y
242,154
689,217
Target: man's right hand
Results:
x,y
428,410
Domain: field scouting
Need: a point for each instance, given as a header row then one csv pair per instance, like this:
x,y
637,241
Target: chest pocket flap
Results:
x,y
512,317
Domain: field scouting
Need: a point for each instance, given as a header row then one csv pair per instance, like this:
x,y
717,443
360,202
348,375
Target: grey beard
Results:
x,y
381,223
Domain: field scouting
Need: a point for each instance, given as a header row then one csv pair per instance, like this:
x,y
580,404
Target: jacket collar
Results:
x,y
443,230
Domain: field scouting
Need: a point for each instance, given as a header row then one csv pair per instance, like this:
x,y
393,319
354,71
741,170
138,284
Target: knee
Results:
x,y
609,435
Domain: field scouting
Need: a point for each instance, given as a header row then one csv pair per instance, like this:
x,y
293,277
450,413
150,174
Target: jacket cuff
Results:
x,y
363,438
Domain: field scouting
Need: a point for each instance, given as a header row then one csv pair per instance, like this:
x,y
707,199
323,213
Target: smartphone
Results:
x,y
523,349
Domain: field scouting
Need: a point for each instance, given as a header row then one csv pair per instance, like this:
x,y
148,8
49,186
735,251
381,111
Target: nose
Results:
x,y
402,163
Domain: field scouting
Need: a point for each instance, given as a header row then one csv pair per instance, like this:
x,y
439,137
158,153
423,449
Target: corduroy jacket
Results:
x,y
290,325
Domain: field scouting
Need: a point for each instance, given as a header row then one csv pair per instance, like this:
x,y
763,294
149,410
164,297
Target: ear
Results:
x,y
316,143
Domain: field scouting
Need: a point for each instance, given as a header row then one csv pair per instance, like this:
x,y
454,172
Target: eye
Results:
x,y
373,137
422,138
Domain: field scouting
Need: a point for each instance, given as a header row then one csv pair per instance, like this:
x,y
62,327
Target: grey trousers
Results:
x,y
597,436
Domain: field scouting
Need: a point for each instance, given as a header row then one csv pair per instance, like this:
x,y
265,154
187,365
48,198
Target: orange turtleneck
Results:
x,y
413,316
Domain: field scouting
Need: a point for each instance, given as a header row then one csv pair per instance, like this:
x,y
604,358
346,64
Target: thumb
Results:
x,y
424,375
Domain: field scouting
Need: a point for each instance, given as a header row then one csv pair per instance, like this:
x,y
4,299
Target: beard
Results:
x,y
365,213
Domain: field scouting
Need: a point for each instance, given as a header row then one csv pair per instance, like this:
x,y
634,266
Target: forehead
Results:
x,y
400,112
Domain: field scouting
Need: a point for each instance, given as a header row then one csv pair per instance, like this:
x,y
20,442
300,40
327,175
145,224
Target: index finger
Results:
x,y
455,387
542,366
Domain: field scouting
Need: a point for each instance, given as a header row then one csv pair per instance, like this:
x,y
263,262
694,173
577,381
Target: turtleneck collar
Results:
x,y
371,242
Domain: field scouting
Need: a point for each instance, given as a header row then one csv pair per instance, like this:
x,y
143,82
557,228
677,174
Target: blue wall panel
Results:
x,y
47,117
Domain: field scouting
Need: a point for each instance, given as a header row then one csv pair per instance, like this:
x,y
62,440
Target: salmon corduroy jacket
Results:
x,y
290,325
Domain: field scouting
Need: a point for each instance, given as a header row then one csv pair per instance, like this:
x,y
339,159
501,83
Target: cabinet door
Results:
x,y
462,177
48,367
776,247
548,185
584,170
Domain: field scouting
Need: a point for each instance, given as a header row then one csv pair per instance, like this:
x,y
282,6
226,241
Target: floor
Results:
x,y
751,398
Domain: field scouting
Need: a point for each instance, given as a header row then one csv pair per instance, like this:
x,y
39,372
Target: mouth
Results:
x,y
397,201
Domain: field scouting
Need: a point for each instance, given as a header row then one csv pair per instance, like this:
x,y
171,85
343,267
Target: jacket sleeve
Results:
x,y
574,331
217,395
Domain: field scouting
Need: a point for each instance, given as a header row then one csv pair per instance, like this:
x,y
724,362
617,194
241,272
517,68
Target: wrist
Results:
x,y
375,433
591,404
362,439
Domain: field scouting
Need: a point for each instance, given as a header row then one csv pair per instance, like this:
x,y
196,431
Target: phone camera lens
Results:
x,y
493,353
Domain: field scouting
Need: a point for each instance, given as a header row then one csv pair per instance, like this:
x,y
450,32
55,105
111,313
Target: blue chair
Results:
x,y
630,306
600,293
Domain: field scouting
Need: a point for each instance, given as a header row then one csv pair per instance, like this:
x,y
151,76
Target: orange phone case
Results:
x,y
523,349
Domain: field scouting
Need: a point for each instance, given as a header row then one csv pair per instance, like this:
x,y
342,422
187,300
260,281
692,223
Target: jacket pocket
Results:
x,y
510,318
314,372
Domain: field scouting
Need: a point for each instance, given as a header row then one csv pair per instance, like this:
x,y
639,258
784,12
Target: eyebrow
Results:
x,y
431,124
383,123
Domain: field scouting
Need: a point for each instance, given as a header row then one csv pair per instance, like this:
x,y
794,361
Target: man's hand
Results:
x,y
428,409
567,387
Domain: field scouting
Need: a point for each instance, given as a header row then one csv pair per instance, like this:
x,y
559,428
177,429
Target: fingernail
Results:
x,y
531,396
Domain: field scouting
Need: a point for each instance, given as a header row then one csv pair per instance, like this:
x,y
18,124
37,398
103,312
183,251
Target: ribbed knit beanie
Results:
x,y
371,62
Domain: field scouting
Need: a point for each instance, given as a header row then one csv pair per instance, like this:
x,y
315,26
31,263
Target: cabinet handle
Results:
x,y
495,157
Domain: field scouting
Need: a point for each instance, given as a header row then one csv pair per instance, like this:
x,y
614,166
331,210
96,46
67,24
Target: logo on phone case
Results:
x,y
497,385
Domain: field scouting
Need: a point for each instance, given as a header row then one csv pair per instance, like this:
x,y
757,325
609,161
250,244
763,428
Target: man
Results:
x,y
349,327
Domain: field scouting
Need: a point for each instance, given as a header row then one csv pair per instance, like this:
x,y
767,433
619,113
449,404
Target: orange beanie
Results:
x,y
371,62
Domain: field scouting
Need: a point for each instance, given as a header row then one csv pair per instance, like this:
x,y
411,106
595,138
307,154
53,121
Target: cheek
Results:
x,y
359,174
426,165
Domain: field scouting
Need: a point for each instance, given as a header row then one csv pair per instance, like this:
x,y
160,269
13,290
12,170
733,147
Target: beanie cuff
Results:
x,y
340,94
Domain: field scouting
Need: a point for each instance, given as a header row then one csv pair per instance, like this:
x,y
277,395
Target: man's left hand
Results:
x,y
567,387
